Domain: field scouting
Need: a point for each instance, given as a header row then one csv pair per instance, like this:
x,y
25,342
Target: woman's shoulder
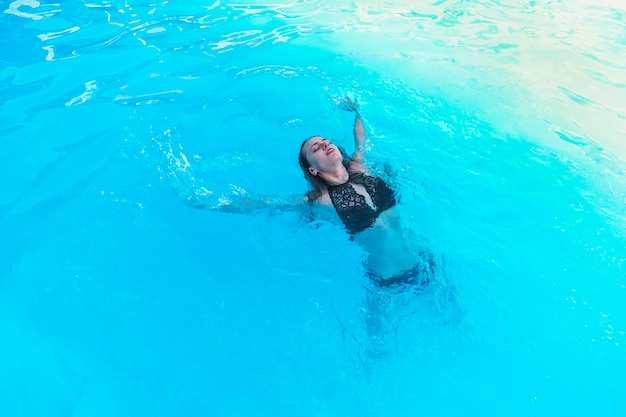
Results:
x,y
321,197
356,167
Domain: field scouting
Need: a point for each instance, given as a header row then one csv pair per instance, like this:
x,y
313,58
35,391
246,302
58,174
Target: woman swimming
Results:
x,y
364,203
395,256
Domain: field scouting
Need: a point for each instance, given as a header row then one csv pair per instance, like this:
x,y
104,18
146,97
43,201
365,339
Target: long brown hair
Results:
x,y
316,183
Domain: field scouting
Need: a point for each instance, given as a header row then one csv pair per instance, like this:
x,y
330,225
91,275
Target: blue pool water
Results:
x,y
503,124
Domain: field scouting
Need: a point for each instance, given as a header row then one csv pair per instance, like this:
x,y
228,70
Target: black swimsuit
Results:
x,y
357,216
351,206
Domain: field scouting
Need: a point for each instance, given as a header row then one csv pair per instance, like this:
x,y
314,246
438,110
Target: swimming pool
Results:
x,y
503,126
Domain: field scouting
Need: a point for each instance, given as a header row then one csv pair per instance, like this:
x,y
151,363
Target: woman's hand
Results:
x,y
347,104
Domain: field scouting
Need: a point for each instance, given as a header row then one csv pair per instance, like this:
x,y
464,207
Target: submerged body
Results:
x,y
394,254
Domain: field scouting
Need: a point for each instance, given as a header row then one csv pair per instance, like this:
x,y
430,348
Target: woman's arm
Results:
x,y
312,211
359,137
245,203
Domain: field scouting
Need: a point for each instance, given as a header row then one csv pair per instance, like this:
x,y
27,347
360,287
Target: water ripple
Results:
x,y
280,70
31,9
576,51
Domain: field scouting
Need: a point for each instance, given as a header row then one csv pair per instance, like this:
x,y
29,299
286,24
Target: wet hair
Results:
x,y
316,183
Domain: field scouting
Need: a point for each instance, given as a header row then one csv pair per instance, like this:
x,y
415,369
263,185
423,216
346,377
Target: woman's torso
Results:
x,y
361,200
365,204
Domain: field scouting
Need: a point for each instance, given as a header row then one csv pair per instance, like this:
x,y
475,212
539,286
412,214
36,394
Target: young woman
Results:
x,y
395,256
365,204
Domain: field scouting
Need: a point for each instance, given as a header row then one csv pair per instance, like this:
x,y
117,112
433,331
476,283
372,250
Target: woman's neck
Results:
x,y
336,177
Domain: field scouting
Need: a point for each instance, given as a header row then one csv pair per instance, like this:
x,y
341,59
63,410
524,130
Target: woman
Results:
x,y
365,204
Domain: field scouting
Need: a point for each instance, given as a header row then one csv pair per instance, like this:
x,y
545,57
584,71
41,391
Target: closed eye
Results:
x,y
318,145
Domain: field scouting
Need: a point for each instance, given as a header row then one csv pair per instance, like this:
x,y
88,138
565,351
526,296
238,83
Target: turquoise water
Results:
x,y
502,123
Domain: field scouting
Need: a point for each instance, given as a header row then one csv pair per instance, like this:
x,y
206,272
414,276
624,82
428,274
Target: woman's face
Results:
x,y
321,154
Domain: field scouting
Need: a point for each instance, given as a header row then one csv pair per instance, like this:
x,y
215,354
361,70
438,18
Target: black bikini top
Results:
x,y
352,207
